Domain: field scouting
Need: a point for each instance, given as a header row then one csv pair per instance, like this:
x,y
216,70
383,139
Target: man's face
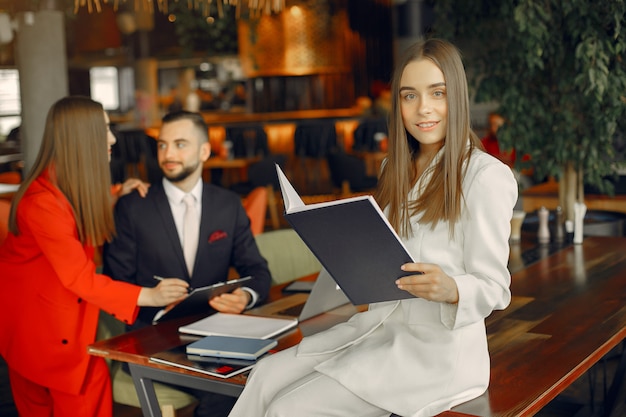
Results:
x,y
181,151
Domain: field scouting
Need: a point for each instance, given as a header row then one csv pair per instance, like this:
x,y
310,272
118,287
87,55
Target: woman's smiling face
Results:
x,y
424,103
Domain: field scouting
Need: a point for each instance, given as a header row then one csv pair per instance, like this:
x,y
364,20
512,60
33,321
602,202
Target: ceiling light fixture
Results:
x,y
255,7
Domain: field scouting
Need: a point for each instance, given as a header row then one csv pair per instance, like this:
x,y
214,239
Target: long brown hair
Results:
x,y
441,198
74,153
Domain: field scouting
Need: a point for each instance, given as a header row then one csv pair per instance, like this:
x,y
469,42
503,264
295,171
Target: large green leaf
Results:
x,y
556,68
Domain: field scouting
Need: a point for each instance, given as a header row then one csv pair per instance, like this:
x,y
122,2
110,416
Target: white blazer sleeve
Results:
x,y
490,192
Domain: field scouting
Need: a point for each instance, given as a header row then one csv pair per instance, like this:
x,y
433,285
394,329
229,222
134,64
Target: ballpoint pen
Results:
x,y
159,278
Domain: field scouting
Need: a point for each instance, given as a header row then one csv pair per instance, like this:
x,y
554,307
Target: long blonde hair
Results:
x,y
74,153
442,197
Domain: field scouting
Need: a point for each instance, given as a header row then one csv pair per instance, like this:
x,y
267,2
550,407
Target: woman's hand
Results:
x,y
134,184
168,291
234,302
429,283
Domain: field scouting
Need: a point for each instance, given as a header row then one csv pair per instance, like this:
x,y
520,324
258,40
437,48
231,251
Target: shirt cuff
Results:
x,y
254,297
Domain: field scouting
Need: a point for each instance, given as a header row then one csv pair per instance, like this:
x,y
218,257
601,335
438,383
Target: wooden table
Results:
x,y
547,195
237,168
136,347
568,311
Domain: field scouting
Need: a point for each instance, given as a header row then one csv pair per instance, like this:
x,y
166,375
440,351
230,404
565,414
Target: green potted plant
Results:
x,y
556,69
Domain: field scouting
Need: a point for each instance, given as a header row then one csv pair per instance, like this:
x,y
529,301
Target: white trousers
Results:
x,y
283,385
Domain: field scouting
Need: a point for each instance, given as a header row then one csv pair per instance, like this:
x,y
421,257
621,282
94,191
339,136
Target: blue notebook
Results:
x,y
231,347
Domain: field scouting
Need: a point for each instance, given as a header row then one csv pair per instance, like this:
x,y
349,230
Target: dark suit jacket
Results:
x,y
147,244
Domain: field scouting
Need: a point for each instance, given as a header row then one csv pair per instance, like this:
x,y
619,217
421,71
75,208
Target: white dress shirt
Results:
x,y
175,199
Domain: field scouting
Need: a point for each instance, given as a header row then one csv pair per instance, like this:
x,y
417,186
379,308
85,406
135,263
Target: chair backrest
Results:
x,y
287,256
315,138
255,205
5,208
10,177
365,134
135,155
263,172
248,141
346,167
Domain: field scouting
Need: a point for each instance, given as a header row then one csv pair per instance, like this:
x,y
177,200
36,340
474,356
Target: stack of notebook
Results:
x,y
230,347
231,343
221,356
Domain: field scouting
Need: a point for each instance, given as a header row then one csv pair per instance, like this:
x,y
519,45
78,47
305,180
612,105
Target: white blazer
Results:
x,y
416,357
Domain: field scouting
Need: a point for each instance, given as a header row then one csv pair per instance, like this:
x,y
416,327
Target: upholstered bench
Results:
x,y
287,256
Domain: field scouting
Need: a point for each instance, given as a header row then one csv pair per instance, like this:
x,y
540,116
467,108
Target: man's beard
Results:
x,y
182,175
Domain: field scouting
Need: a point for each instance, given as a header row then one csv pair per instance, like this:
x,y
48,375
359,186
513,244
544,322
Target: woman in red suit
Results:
x,y
51,293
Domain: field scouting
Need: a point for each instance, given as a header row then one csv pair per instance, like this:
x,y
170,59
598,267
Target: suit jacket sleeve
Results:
x,y
246,257
120,256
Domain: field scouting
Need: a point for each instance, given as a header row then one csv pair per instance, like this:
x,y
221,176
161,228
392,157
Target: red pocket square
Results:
x,y
217,235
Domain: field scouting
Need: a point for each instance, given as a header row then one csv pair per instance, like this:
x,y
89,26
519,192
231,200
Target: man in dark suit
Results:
x,y
153,232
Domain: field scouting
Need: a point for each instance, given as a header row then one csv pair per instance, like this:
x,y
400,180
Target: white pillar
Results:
x,y
42,64
146,73
410,18
147,92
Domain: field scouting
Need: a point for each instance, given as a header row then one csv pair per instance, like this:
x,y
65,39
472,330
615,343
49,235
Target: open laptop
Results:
x,y
325,296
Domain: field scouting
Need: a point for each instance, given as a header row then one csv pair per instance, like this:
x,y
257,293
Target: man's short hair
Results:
x,y
195,118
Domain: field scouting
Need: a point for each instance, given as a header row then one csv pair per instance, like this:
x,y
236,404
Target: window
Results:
x,y
113,87
104,85
10,102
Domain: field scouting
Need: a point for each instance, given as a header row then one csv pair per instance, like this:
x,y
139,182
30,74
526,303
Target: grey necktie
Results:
x,y
191,229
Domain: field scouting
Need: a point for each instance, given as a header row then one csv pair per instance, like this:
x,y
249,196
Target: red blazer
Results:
x,y
51,293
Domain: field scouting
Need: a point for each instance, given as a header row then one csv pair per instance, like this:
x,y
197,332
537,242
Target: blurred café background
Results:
x,y
297,79
302,83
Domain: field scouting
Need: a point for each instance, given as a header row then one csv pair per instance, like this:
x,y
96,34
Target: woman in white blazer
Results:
x,y
451,203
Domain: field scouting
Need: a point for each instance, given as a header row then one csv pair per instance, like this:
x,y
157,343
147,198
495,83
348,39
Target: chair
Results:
x,y
287,256
255,205
263,174
135,155
11,177
5,208
349,173
313,140
366,134
248,140
123,387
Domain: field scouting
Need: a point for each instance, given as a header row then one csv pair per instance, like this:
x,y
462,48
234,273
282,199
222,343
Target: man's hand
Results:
x,y
432,284
234,302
